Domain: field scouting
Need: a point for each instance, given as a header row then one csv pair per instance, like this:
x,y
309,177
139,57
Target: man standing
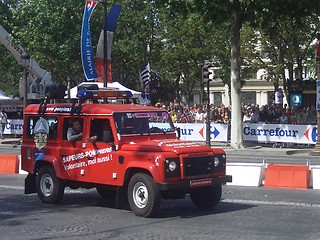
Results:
x,y
3,120
278,98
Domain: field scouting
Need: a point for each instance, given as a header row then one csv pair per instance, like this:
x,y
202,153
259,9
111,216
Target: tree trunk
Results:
x,y
236,117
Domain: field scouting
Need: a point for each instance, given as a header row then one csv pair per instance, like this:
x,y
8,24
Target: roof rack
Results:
x,y
102,93
84,95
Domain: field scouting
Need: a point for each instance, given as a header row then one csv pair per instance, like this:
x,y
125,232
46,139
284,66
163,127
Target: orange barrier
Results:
x,y
9,163
287,176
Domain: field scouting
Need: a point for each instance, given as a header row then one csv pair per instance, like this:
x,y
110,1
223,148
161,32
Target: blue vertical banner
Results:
x,y
87,57
318,95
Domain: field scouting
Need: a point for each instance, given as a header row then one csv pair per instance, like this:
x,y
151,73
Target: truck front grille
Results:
x,y
198,165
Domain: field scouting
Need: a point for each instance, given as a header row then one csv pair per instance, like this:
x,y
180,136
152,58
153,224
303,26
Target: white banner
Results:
x,y
288,133
257,132
14,127
197,132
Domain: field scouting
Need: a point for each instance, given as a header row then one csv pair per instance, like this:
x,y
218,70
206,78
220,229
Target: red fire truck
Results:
x,y
127,151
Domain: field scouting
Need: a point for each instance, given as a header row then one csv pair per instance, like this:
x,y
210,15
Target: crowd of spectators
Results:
x,y
251,113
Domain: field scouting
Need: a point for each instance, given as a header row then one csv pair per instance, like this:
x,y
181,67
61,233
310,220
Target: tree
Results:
x,y
240,12
50,32
9,68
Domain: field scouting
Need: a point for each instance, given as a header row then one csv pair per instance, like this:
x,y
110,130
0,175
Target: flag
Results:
x,y
87,58
145,76
111,19
145,80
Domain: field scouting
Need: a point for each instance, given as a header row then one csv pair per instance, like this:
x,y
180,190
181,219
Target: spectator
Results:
x,y
3,121
263,113
255,116
173,116
199,116
278,98
246,117
159,103
216,116
301,117
311,115
293,116
277,112
284,119
226,118
269,118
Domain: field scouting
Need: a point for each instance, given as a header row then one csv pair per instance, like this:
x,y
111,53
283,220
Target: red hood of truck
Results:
x,y
170,145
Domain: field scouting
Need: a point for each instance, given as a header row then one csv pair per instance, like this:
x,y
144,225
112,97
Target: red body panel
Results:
x,y
105,163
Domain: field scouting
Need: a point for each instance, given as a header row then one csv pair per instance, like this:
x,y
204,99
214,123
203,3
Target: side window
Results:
x,y
52,123
72,129
102,130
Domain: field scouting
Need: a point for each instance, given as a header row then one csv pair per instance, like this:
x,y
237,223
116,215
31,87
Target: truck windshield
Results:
x,y
143,122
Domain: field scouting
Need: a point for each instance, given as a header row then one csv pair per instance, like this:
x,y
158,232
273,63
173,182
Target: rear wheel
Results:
x,y
206,197
50,189
143,195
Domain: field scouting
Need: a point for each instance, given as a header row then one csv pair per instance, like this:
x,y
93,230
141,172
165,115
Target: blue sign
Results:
x,y
318,95
295,99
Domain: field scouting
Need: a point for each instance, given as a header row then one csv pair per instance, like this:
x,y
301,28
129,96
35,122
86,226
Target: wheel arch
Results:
x,y
132,171
48,160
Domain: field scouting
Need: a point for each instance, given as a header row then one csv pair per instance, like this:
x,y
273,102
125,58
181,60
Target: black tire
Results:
x,y
50,189
106,193
206,197
143,195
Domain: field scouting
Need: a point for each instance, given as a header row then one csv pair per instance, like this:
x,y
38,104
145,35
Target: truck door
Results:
x,y
100,151
72,154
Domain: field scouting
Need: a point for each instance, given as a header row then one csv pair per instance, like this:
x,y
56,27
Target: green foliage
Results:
x,y
175,37
50,32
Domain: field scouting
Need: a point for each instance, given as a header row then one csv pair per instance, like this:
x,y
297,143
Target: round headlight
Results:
x,y
216,161
172,166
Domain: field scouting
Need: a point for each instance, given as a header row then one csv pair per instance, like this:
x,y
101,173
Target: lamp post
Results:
x,y
316,150
208,139
207,80
25,63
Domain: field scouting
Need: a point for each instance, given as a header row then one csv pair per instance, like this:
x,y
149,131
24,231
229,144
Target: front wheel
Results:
x,y
206,197
50,189
143,195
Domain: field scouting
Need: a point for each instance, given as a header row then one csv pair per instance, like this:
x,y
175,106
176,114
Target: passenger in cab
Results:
x,y
74,133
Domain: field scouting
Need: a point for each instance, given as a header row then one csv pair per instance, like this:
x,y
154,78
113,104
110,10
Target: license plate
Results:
x,y
201,182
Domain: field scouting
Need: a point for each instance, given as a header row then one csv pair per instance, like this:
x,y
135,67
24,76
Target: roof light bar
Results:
x,y
99,94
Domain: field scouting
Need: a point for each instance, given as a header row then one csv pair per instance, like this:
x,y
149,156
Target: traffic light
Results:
x,y
205,73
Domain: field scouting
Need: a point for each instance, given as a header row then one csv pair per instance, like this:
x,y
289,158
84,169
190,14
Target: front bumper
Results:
x,y
183,185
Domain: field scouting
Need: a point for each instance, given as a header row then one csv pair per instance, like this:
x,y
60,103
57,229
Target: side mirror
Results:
x,y
178,133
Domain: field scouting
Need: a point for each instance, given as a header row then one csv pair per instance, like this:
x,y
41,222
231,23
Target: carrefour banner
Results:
x,y
87,57
197,132
14,127
287,133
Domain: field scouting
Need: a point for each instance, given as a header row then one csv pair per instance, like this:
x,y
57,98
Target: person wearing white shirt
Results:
x,y
4,121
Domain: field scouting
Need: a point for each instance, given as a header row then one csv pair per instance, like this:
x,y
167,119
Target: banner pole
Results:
x,y
105,39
